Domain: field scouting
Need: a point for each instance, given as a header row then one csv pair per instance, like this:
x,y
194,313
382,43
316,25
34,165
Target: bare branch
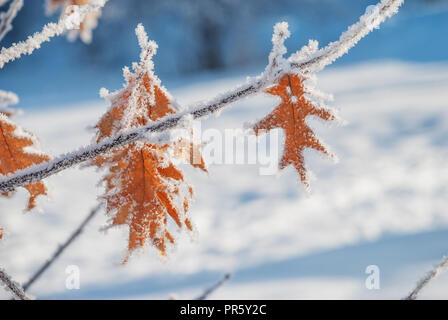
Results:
x,y
62,247
431,275
68,22
313,63
7,17
276,60
13,287
213,288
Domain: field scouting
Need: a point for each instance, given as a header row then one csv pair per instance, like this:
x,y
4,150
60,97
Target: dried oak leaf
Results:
x,y
291,116
142,186
18,151
89,23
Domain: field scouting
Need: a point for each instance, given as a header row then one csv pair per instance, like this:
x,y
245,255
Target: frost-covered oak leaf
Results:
x,y
18,150
89,23
144,189
290,115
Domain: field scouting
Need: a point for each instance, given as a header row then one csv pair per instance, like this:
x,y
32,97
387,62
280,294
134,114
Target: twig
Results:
x,y
311,63
213,288
15,288
369,21
431,275
7,17
62,247
68,22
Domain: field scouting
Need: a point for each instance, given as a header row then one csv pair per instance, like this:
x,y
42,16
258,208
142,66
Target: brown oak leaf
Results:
x,y
291,116
18,151
142,185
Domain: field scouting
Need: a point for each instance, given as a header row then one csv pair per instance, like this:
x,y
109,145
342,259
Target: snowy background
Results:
x,y
383,204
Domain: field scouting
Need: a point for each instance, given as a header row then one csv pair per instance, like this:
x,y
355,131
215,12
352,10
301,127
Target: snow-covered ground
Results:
x,y
383,204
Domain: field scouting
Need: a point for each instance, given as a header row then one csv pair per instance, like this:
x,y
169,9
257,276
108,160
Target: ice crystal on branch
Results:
x,y
373,17
276,60
13,287
87,25
65,23
143,186
7,17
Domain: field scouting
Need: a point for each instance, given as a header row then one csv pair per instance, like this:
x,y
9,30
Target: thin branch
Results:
x,y
374,16
276,60
215,287
67,22
13,287
431,275
314,62
62,247
7,17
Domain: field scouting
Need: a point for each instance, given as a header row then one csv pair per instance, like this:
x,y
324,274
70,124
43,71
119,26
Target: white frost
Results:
x,y
373,17
7,17
68,22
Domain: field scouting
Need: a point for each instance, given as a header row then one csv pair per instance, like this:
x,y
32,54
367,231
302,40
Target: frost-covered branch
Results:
x,y
374,16
12,286
7,17
62,247
276,61
67,22
309,59
431,275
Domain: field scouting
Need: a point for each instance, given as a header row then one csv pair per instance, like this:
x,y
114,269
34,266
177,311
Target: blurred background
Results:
x,y
383,204
197,36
